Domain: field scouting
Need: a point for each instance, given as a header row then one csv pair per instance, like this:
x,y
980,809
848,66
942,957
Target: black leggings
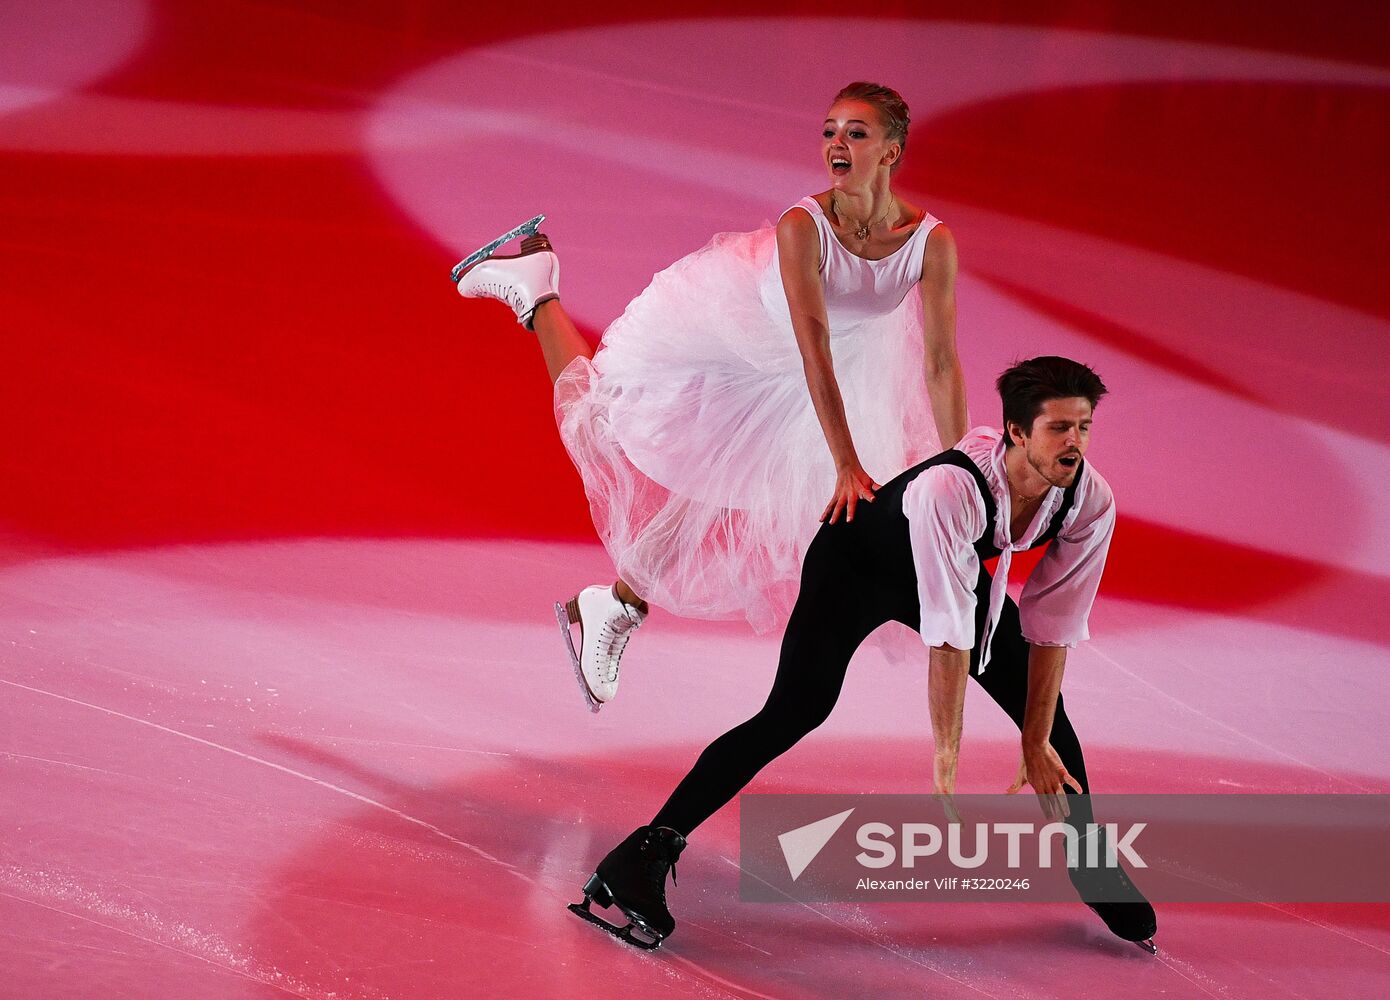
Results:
x,y
845,595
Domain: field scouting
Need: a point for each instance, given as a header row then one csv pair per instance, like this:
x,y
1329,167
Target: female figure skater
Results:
x,y
706,460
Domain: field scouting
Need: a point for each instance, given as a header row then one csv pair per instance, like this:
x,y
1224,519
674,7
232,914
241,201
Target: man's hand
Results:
x,y
1042,768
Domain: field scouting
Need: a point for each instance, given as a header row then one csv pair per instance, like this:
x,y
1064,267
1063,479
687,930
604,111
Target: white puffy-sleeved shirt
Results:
x,y
946,515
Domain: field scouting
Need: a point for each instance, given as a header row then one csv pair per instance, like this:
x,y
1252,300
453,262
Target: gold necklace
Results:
x,y
1022,499
862,233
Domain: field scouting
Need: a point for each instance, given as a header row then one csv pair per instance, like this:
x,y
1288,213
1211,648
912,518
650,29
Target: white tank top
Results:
x,y
855,289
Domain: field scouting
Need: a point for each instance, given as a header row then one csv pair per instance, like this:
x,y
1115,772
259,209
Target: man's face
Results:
x,y
1058,439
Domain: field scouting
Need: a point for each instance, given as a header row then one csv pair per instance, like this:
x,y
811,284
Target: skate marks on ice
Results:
x,y
384,609
1186,970
877,940
372,842
63,894
981,951
360,741
1339,782
370,887
861,925
265,957
978,938
328,785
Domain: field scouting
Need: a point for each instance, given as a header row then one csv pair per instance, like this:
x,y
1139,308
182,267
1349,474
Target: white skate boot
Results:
x,y
605,625
523,281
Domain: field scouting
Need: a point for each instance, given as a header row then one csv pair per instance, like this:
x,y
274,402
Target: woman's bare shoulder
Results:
x,y
796,227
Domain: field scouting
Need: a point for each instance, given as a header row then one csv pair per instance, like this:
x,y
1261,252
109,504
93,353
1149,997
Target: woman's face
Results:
x,y
854,143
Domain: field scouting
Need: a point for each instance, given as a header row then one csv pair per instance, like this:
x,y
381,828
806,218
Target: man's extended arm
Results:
x,y
946,694
1053,613
1041,767
945,515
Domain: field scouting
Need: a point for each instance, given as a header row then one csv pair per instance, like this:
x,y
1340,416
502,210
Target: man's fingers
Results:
x,y
849,507
1020,779
1067,779
1054,804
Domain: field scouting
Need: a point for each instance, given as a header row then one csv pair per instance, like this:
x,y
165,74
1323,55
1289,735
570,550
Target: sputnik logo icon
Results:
x,y
800,846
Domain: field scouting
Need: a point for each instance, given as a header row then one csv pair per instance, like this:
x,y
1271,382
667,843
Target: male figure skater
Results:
x,y
915,555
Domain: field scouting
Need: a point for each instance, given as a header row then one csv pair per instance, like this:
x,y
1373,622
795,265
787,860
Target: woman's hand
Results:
x,y
1042,768
851,485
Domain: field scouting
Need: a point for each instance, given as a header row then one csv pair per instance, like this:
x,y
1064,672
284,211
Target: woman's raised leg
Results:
x,y
529,282
560,342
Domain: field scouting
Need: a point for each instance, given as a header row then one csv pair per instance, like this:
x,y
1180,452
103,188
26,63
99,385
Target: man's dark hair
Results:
x,y
1026,386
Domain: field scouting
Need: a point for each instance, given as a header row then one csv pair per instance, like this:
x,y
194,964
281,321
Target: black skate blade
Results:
x,y
627,933
562,616
484,252
1148,945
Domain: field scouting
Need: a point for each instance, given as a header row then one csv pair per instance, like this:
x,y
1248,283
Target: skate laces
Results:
x,y
657,867
507,293
613,635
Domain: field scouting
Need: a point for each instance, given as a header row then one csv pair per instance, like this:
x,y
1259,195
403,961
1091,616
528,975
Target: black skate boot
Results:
x,y
633,877
1117,901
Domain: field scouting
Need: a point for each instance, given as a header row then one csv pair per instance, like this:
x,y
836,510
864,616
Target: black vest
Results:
x,y
873,553
984,545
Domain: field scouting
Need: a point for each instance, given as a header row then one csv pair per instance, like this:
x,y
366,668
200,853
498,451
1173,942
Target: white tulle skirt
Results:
x,y
700,450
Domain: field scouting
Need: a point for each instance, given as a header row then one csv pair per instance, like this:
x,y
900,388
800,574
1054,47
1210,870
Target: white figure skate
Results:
x,y
605,625
523,280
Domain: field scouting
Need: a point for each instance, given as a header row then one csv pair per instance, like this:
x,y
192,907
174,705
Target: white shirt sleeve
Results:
x,y
945,515
1056,601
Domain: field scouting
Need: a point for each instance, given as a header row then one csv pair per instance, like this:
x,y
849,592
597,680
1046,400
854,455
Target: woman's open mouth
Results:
x,y
839,165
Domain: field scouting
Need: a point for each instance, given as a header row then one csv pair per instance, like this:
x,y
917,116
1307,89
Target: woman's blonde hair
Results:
x,y
891,107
